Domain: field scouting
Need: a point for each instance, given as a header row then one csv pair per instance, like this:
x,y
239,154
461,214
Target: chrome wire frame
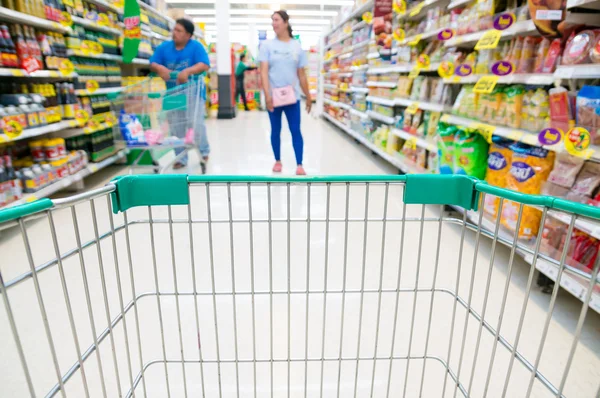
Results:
x,y
130,374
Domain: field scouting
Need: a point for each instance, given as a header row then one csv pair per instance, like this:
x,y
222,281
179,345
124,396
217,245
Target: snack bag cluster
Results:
x,y
498,166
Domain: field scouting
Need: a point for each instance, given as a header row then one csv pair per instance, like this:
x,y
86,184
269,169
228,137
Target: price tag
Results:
x,y
96,48
485,84
489,40
423,61
412,108
66,67
82,117
65,19
502,68
368,17
415,40
91,86
445,34
13,129
93,168
85,47
399,7
550,136
504,21
69,3
411,143
446,69
414,72
416,9
110,119
92,126
515,135
103,19
31,198
577,142
399,34
486,130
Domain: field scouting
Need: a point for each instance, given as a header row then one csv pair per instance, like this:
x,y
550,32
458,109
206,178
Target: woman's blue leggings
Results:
x,y
292,114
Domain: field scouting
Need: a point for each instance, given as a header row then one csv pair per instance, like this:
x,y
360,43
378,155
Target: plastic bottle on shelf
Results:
x,y
34,48
9,55
22,47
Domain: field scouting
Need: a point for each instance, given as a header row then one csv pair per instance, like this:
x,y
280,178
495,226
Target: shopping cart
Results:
x,y
188,286
155,116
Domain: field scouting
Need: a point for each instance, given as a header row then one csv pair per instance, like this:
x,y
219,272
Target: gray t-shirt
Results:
x,y
284,58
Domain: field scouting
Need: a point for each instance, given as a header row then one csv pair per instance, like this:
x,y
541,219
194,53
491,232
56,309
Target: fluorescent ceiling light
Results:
x,y
266,21
338,3
240,11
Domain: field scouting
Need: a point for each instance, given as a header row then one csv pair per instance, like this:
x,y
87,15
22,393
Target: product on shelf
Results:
x,y
499,161
470,154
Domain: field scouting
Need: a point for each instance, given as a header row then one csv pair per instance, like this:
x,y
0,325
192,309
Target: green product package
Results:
x,y
470,153
446,148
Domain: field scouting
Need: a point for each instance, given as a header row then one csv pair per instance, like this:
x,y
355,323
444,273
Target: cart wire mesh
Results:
x,y
275,288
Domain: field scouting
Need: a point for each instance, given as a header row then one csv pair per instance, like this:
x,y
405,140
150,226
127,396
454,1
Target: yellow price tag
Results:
x,y
13,129
412,108
416,9
414,72
66,67
415,40
399,34
411,143
110,119
82,117
489,40
18,73
85,47
92,126
368,17
65,19
486,130
399,7
31,198
91,86
446,69
485,84
69,3
423,61
515,135
577,142
103,19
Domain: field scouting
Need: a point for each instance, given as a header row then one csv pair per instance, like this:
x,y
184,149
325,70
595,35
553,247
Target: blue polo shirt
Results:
x,y
177,60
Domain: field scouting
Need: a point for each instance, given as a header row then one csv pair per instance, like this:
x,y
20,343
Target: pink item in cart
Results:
x,y
153,137
189,136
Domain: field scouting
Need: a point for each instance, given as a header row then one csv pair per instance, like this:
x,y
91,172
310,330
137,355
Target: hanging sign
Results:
x,y
399,7
13,129
65,19
399,34
414,72
132,33
66,67
412,108
504,21
446,69
103,19
415,40
91,86
489,40
82,117
550,136
485,84
382,27
367,17
502,68
577,142
463,70
445,34
423,61
486,130
416,9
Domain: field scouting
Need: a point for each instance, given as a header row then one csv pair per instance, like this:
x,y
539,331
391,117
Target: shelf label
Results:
x,y
399,7
504,21
13,129
486,130
416,9
446,69
103,19
415,40
92,126
485,84
65,19
489,40
423,61
502,68
577,142
550,136
414,72
412,108
515,135
82,117
445,34
91,86
399,34
31,198
66,67
411,143
18,73
367,17
463,70
110,119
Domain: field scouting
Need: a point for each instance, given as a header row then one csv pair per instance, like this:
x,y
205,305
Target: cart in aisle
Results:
x,y
340,286
154,116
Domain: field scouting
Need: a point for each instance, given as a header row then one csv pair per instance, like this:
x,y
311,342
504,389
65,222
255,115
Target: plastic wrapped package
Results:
x,y
540,55
470,154
530,167
514,106
416,87
498,166
588,111
554,52
445,145
560,108
578,48
595,51
587,181
550,189
566,168
527,61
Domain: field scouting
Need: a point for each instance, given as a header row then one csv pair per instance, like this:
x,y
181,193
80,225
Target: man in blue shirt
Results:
x,y
186,57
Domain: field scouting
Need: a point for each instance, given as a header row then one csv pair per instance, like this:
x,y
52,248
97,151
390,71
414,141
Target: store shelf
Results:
x,y
329,85
501,131
382,84
360,114
106,5
13,16
345,55
355,89
540,79
343,37
382,118
426,106
421,142
100,91
381,101
108,57
458,3
587,4
389,69
157,12
427,5
37,74
336,104
86,23
589,71
356,13
38,131
359,25
424,36
68,181
469,40
363,140
589,227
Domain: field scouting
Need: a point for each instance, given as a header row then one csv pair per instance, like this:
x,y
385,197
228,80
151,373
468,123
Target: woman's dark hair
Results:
x,y
242,57
286,18
187,25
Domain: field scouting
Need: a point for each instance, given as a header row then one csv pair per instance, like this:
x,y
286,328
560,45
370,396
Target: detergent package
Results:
x,y
498,166
529,169
446,148
131,128
470,154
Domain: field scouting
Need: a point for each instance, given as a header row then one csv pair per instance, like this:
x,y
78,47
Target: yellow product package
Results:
x,y
514,106
499,160
529,169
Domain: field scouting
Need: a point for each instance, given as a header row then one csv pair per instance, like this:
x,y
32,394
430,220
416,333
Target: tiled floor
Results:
x,y
264,333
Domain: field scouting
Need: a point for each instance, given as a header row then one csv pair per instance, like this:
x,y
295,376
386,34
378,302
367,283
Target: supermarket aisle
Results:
x,y
356,257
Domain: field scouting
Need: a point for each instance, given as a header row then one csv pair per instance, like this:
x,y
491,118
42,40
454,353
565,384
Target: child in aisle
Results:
x,y
282,63
187,57
239,79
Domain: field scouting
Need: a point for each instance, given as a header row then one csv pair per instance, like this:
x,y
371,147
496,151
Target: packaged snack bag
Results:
x,y
499,159
530,167
446,148
470,154
566,168
588,111
514,105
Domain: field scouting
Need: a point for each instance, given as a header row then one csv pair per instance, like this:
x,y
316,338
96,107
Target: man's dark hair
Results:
x,y
187,25
242,57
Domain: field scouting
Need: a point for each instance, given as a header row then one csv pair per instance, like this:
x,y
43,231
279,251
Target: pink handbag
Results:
x,y
284,96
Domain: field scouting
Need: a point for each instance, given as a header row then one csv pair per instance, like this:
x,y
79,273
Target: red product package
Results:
x,y
583,250
552,57
577,50
560,109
